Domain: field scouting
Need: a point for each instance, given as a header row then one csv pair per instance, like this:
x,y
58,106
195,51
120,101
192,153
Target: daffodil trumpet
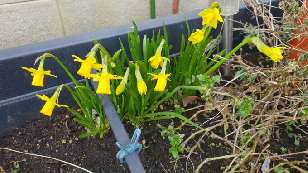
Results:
x,y
50,102
87,64
211,16
104,81
161,78
141,85
157,59
121,87
38,74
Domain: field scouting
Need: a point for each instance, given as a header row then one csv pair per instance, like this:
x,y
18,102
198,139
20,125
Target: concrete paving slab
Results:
x,y
29,22
89,15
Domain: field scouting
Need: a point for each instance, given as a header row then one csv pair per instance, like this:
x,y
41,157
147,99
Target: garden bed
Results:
x,y
230,125
58,138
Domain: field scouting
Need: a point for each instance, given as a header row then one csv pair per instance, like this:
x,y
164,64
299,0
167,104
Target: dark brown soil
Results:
x,y
59,138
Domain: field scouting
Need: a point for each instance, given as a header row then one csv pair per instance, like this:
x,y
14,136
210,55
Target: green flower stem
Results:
x,y
212,62
228,56
69,74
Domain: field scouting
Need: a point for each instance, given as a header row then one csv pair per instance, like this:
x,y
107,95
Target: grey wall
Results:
x,y
28,21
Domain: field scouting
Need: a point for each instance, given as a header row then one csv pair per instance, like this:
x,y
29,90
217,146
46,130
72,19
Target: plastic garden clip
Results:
x,y
133,147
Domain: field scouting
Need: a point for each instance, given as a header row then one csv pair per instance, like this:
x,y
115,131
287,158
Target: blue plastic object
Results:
x,y
132,147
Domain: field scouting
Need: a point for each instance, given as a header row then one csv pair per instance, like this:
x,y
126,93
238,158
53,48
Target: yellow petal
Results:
x,y
65,106
29,69
42,97
48,73
77,59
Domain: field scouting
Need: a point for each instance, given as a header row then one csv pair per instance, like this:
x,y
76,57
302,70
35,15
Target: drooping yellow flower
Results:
x,y
50,103
275,53
157,59
104,79
38,74
121,87
211,16
197,36
87,65
161,78
141,85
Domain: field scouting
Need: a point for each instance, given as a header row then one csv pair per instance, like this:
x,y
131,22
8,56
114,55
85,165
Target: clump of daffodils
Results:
x,y
210,19
119,84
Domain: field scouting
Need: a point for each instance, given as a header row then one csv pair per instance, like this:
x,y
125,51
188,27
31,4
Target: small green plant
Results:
x,y
283,149
281,169
245,107
16,168
175,140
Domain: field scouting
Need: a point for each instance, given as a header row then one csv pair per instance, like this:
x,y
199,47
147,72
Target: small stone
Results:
x,y
63,141
70,141
161,107
143,142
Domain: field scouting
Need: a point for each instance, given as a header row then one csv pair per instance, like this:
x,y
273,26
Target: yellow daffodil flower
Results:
x,y
197,36
51,102
157,59
38,74
161,78
104,79
121,87
275,53
211,16
141,85
87,65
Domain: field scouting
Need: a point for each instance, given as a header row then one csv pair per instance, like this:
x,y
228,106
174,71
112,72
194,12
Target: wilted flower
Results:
x,y
275,53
